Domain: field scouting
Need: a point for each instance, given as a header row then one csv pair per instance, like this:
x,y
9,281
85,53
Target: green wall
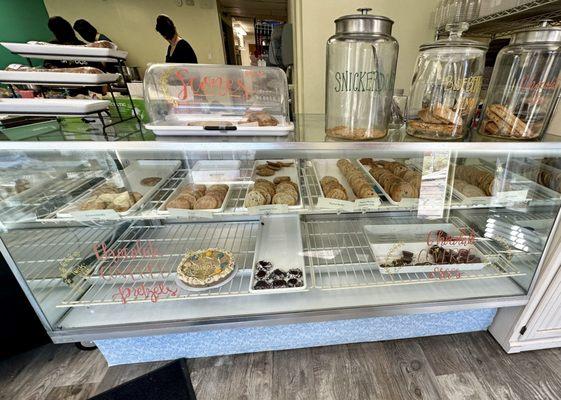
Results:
x,y
20,21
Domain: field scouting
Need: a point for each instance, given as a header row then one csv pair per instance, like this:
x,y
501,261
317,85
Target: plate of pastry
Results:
x,y
190,197
122,193
399,183
205,269
341,180
275,182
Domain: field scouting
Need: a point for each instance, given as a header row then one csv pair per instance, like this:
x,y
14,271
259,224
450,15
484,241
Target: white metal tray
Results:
x,y
56,78
413,237
184,286
130,178
328,167
180,212
291,172
178,126
52,106
65,52
278,233
405,202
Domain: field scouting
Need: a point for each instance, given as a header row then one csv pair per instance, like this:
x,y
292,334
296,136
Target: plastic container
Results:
x,y
361,64
216,100
524,86
446,85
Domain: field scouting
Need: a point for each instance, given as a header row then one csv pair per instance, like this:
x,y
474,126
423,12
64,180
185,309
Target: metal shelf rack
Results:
x,y
336,251
504,22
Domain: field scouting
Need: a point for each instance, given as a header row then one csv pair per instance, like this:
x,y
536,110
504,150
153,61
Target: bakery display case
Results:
x,y
216,100
113,239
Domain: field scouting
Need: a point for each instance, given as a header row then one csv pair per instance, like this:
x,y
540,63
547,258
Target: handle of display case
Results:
x,y
220,128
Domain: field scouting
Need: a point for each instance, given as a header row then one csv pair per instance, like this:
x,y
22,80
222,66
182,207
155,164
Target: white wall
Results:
x,y
314,19
131,24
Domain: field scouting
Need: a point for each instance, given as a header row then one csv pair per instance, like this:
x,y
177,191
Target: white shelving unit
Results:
x,y
47,107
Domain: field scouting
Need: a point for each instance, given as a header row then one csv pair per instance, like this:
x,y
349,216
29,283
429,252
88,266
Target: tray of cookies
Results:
x,y
123,193
190,198
399,183
424,248
275,183
343,185
275,270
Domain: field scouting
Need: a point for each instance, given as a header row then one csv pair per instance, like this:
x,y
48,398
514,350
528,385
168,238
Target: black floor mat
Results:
x,y
170,382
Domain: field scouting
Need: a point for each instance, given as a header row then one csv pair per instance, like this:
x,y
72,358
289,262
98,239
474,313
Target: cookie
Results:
x,y
265,171
254,198
285,198
439,129
426,116
150,181
276,165
280,179
286,164
92,204
205,203
181,203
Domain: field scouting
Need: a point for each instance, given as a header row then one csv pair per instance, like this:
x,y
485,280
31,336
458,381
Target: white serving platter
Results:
x,y
405,202
65,52
328,167
188,288
414,238
276,234
52,106
130,178
178,126
56,78
291,172
187,213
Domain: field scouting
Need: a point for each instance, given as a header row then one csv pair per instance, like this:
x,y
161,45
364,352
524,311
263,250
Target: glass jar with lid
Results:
x,y
524,85
361,63
445,87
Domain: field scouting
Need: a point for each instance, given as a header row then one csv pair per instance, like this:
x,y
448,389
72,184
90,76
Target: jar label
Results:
x,y
471,84
362,81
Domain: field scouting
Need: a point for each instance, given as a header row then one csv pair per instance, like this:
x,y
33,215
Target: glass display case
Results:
x,y
118,239
216,100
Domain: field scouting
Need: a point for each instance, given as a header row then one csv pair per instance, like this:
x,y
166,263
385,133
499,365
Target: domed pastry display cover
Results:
x,y
216,100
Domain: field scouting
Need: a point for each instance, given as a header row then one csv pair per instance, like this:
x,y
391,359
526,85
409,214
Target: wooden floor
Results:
x,y
466,366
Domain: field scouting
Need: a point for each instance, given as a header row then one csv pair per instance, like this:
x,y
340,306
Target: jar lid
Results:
x,y
543,33
363,23
455,39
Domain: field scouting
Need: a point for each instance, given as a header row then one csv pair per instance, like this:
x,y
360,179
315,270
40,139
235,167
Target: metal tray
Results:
x,y
328,167
130,178
291,172
405,202
278,233
180,212
397,236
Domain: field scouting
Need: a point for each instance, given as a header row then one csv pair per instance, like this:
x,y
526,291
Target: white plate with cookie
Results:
x,y
276,182
141,177
404,201
189,198
328,169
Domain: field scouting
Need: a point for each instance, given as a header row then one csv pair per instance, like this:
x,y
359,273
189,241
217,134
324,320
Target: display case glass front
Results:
x,y
111,237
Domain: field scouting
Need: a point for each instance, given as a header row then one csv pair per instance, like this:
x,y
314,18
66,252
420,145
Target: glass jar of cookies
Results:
x,y
446,85
361,63
524,85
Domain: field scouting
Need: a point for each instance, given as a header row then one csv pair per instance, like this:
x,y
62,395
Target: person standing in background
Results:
x,y
179,51
64,34
88,31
